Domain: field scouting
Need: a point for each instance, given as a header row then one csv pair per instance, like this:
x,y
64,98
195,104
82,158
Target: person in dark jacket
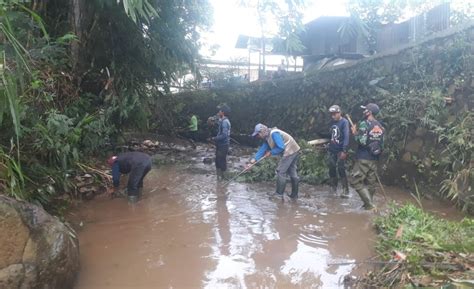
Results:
x,y
137,165
337,151
222,141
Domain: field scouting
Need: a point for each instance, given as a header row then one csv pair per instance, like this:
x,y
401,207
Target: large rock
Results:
x,y
37,251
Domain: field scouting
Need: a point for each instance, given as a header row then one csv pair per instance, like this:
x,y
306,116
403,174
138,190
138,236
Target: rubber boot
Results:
x,y
345,188
132,199
280,187
119,193
294,188
333,184
220,174
365,196
372,193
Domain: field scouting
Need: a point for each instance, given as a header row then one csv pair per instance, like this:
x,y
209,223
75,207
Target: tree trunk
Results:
x,y
76,22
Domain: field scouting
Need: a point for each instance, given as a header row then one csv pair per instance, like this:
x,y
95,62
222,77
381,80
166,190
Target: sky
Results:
x,y
230,20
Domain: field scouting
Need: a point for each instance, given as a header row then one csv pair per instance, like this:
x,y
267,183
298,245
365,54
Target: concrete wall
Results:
x,y
406,84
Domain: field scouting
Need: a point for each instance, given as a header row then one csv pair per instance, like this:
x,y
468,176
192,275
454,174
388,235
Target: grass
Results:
x,y
433,249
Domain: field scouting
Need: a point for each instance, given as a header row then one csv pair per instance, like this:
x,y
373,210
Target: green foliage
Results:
x,y
12,179
63,96
264,171
312,167
457,160
59,139
426,240
287,15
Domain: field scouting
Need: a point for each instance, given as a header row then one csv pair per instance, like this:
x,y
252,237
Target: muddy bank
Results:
x,y
189,232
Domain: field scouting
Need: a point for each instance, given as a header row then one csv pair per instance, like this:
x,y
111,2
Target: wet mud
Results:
x,y
189,231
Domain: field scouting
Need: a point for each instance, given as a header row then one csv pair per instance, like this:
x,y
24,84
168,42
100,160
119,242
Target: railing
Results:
x,y
414,29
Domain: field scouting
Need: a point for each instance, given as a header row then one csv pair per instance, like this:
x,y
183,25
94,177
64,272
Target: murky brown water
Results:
x,y
188,232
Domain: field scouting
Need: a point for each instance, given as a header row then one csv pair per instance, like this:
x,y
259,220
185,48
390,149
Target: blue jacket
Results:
x,y
278,149
339,136
223,132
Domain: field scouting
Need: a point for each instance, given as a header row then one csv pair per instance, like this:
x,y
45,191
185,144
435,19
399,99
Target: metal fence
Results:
x,y
414,29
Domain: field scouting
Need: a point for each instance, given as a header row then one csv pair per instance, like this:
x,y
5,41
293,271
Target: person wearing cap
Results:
x,y
136,165
222,140
369,137
337,151
278,142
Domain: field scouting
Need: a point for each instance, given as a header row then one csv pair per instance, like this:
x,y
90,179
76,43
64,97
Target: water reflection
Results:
x,y
191,232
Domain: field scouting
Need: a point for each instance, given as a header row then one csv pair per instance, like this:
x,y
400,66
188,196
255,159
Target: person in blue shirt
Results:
x,y
337,151
222,141
137,165
279,143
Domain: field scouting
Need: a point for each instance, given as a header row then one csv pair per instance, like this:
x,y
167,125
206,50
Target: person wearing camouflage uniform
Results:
x,y
369,137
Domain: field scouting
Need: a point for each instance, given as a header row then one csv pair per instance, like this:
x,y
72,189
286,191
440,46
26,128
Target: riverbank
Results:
x,y
188,231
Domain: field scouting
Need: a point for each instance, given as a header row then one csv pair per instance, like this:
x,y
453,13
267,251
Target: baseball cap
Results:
x,y
335,108
372,107
258,128
224,108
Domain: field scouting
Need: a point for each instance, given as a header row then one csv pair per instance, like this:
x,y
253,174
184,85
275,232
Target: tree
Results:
x,y
128,50
62,94
285,15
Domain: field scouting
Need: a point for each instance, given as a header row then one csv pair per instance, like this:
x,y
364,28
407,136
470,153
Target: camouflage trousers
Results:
x,y
363,177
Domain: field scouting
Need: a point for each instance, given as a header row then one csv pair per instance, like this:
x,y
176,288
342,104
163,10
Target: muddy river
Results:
x,y
190,232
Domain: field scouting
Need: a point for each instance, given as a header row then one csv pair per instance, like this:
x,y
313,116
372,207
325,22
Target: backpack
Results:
x,y
375,136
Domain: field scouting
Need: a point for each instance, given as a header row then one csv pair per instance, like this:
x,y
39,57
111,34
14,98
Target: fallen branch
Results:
x,y
103,174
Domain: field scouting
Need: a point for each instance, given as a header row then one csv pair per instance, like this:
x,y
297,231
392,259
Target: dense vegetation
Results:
x,y
422,250
74,74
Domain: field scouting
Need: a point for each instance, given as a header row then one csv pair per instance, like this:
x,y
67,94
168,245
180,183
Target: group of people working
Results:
x,y
368,135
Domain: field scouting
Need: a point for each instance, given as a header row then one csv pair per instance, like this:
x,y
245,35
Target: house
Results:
x,y
327,46
324,42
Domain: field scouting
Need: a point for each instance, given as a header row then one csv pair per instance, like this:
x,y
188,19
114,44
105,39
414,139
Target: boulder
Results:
x,y
37,250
